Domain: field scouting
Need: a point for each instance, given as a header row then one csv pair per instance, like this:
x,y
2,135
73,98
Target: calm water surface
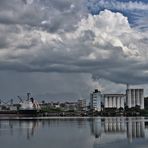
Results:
x,y
116,132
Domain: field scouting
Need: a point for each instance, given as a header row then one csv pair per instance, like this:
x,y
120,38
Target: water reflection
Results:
x,y
114,125
133,128
27,127
93,132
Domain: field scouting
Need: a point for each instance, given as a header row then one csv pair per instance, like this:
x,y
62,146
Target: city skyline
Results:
x,y
65,49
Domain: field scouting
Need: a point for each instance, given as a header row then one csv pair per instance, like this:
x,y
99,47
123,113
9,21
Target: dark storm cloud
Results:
x,y
61,5
62,37
3,41
44,14
16,12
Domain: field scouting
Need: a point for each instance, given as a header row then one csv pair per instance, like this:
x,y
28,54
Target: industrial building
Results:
x,y
132,98
81,103
135,97
107,100
95,100
114,100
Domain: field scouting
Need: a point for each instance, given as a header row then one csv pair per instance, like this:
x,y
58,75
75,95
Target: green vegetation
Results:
x,y
51,110
134,111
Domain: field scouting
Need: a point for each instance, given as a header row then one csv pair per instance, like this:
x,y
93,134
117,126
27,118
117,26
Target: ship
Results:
x,y
28,107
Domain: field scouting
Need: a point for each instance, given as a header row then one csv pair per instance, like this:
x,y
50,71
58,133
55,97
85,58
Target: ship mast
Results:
x,y
28,96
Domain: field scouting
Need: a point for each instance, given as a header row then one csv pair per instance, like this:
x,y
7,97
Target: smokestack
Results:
x,y
127,86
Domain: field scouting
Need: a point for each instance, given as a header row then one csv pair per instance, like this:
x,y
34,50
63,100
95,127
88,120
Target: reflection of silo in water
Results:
x,y
105,125
122,124
138,129
118,122
110,124
129,129
114,127
114,124
134,133
142,127
135,128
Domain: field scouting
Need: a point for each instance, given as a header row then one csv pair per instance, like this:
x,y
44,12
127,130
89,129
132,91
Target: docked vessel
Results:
x,y
29,107
25,107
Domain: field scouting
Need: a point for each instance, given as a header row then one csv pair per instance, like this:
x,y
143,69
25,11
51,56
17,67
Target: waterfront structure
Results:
x,y
81,104
65,106
14,107
132,98
29,107
114,100
69,106
95,100
135,97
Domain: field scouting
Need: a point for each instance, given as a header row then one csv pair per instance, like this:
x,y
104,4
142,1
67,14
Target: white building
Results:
x,y
135,97
132,98
114,100
95,100
81,104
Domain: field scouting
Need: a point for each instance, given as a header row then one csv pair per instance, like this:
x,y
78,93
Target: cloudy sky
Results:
x,y
63,49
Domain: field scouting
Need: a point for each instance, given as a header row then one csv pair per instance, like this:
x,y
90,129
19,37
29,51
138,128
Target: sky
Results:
x,y
64,49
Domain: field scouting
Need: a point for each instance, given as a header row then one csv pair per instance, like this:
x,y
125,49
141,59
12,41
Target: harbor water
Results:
x,y
99,132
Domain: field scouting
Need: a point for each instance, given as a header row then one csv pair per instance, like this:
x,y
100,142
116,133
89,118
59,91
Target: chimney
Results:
x,y
127,86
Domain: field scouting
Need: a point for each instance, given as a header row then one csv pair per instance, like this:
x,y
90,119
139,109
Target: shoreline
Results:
x,y
66,118
23,116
